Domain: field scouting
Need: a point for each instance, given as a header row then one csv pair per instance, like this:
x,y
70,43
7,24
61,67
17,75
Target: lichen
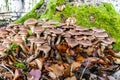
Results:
x,y
105,16
32,13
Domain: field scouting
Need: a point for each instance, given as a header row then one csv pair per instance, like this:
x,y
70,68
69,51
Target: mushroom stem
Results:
x,y
32,57
31,48
58,41
32,29
45,36
23,48
38,35
23,38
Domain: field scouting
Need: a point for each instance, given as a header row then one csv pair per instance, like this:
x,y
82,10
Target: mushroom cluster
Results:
x,y
52,50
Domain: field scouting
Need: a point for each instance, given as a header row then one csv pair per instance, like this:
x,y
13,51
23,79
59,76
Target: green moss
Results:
x,y
20,65
13,46
105,17
51,9
32,13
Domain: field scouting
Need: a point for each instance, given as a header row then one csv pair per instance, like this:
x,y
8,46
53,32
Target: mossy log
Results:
x,y
104,16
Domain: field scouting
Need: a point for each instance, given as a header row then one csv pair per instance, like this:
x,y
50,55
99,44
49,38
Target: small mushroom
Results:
x,y
32,40
80,28
87,32
23,34
101,34
39,42
19,41
71,21
85,43
98,29
46,33
45,49
52,22
31,23
60,8
71,42
38,31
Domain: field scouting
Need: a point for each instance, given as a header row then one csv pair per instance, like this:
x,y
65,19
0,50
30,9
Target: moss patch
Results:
x,y
32,13
105,16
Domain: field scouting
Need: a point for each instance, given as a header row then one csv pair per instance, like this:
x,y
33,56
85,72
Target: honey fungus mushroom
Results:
x,y
31,23
53,43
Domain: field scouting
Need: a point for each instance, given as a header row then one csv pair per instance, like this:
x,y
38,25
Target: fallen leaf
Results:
x,y
34,74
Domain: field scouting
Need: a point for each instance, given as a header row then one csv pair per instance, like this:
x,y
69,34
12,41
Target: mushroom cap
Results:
x,y
101,34
44,48
71,42
61,24
23,32
9,29
18,40
17,36
40,23
66,35
30,21
88,32
3,31
2,48
38,30
56,31
52,22
47,26
98,29
80,37
85,43
39,41
31,38
13,25
7,41
73,32
80,28
23,28
47,31
107,41
91,38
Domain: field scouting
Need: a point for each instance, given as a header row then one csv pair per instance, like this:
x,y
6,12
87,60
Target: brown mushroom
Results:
x,y
23,34
32,40
98,29
38,31
31,23
71,42
80,28
85,43
19,41
101,34
45,49
38,42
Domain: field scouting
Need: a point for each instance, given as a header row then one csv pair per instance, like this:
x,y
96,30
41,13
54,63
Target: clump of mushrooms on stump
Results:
x,y
54,50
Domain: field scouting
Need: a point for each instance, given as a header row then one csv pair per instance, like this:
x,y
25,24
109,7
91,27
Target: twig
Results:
x,y
7,68
83,71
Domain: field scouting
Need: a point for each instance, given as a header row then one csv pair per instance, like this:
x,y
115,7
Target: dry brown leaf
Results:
x,y
18,73
80,58
71,78
62,48
75,65
39,63
58,70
